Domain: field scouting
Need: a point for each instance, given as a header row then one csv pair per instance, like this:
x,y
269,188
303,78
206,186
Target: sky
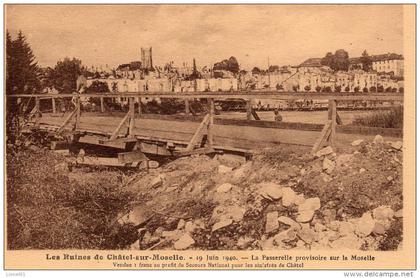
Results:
x,y
257,35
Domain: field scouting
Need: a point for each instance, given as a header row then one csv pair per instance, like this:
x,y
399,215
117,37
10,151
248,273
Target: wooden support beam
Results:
x,y
140,112
210,124
77,123
248,110
119,143
130,157
132,112
195,151
187,107
53,105
102,105
37,111
325,133
115,133
275,95
254,113
66,121
198,133
332,115
339,121
105,161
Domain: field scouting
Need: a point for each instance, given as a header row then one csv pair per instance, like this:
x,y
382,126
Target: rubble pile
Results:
x,y
284,198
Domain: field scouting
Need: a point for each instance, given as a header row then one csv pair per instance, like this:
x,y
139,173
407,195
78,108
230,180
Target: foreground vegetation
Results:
x,y
47,210
392,118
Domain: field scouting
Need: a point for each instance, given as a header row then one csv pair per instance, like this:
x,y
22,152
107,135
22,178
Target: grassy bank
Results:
x,y
47,210
392,118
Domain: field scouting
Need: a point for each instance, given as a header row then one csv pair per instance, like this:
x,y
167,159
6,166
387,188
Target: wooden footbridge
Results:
x,y
138,135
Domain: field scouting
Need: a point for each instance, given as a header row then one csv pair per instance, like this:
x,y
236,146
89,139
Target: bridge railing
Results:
x,y
328,134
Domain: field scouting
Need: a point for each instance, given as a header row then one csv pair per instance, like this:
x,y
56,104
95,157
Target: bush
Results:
x,y
401,90
327,89
380,89
372,89
347,89
387,119
307,88
356,89
365,90
318,89
48,211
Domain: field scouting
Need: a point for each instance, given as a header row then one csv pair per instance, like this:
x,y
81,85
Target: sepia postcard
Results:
x,y
228,136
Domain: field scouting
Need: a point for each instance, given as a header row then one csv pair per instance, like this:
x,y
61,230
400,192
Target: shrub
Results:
x,y
388,89
318,89
347,89
380,89
356,89
307,88
372,89
327,89
365,90
401,90
392,118
48,211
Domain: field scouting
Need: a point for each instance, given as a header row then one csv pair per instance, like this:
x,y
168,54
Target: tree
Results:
x,y
347,89
341,60
372,89
327,89
327,60
98,87
64,75
9,84
356,89
230,64
337,61
337,89
365,90
401,89
307,88
366,61
256,70
380,89
22,71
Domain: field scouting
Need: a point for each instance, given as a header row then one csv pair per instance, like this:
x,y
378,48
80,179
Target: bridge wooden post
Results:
x,y
37,111
210,126
132,113
187,107
248,110
332,115
54,110
77,123
102,105
140,112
